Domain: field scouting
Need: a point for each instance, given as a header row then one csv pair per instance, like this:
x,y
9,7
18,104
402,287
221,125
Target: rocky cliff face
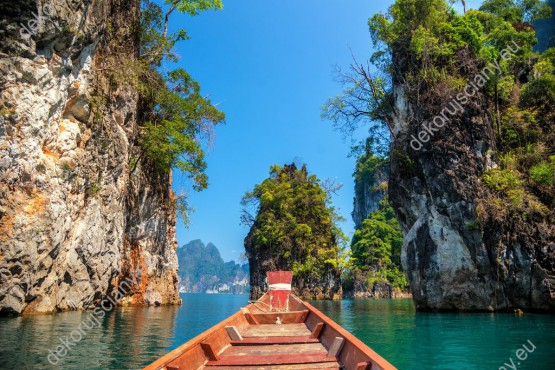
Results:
x,y
77,219
368,192
452,261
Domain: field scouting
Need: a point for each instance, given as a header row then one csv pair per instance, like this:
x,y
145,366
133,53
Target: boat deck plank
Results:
x,y
272,330
277,359
253,341
314,366
276,349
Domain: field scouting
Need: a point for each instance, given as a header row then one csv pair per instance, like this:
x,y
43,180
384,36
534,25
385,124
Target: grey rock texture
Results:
x,y
368,195
378,291
452,261
75,220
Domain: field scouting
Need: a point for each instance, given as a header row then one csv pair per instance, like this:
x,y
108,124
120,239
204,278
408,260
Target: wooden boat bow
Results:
x,y
278,331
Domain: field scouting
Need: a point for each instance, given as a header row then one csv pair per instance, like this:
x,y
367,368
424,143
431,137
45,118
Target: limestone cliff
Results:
x,y
458,253
77,219
451,262
370,176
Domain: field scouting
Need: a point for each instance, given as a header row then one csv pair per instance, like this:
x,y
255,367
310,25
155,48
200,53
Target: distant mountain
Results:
x,y
202,270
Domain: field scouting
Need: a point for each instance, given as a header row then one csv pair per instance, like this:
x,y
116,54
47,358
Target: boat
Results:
x,y
278,331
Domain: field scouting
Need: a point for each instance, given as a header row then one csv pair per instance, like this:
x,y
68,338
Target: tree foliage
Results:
x,y
175,125
294,225
430,52
176,120
377,242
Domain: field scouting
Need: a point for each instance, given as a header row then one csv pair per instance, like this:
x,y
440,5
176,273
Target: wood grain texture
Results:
x,y
251,318
305,358
317,330
336,347
233,333
294,317
273,340
363,366
209,352
276,330
283,349
314,366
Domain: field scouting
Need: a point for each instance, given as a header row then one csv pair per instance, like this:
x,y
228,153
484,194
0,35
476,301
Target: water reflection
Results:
x,y
124,338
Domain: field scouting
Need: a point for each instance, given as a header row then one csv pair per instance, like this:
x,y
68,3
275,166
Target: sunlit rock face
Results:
x,y
76,220
368,195
453,261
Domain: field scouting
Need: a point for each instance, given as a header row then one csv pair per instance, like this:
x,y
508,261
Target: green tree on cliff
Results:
x,y
376,244
293,227
430,52
376,248
176,119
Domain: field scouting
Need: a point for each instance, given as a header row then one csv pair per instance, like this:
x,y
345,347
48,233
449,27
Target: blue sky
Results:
x,y
269,66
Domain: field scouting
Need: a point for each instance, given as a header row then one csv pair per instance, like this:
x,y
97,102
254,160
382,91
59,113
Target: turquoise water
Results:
x,y
411,340
129,338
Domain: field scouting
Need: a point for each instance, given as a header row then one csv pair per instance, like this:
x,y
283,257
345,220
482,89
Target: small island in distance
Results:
x,y
203,270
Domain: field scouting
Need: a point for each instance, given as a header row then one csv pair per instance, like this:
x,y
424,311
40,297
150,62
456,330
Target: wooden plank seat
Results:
x,y
252,341
290,317
282,359
313,366
284,349
272,330
275,351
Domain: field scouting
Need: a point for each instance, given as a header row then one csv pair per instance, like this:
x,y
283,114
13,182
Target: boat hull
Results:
x,y
259,337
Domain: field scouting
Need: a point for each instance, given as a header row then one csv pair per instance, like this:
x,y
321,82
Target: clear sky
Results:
x,y
269,66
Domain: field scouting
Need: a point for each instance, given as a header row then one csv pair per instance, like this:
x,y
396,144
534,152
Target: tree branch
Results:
x,y
167,17
361,70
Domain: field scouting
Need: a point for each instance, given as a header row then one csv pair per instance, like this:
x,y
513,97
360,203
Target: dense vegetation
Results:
x,y
175,119
376,244
293,226
202,268
444,46
433,52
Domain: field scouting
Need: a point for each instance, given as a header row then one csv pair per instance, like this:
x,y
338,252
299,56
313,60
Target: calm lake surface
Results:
x,y
129,338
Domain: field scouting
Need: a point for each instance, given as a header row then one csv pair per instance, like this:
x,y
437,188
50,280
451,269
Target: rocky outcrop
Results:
x,y
368,190
382,290
453,261
77,219
293,230
327,286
